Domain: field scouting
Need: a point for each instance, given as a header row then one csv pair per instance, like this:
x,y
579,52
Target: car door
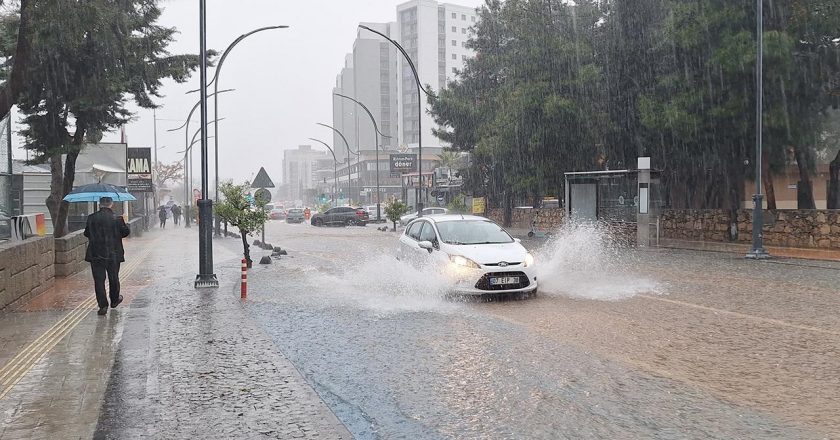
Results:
x,y
427,233
409,240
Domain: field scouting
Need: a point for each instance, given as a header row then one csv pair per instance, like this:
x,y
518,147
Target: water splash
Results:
x,y
384,284
587,261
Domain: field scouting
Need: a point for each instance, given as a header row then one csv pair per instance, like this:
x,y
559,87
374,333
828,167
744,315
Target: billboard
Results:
x,y
138,166
402,164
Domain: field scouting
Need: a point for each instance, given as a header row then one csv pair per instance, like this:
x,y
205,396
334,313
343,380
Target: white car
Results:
x,y
406,219
475,254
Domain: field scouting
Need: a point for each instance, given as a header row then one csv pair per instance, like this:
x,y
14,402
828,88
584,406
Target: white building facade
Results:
x,y
300,171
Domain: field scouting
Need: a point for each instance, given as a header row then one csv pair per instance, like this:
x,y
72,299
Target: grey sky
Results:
x,y
283,79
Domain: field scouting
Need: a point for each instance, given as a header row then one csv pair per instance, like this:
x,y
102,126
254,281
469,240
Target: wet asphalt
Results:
x,y
618,344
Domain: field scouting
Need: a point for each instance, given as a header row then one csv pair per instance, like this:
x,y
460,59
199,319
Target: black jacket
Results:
x,y
105,232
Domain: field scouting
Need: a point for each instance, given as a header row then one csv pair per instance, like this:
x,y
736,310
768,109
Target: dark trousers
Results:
x,y
100,269
163,222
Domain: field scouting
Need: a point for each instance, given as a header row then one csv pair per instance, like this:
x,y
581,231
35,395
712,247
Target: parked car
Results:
x,y
342,215
474,254
406,219
277,214
371,210
295,215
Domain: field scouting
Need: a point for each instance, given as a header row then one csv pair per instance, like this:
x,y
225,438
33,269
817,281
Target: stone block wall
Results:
x,y
548,219
70,254
26,269
793,228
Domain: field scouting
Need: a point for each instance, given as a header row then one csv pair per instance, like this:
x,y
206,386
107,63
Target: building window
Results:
x,y
454,28
464,17
454,56
472,18
463,30
463,44
463,58
454,15
454,70
454,43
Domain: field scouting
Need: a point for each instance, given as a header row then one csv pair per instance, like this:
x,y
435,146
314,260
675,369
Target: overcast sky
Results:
x,y
283,78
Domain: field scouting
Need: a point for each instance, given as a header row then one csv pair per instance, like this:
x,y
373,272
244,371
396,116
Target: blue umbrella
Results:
x,y
95,191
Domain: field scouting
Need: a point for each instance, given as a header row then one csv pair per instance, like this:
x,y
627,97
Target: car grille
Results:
x,y
499,264
484,282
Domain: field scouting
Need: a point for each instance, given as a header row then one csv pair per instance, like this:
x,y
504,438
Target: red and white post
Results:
x,y
244,288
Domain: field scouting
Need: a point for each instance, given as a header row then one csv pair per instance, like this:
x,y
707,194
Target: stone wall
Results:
x,y
793,228
70,254
548,219
26,269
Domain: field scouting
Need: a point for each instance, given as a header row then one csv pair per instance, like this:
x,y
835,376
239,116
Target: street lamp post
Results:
x,y
205,277
376,135
419,190
758,252
346,144
335,168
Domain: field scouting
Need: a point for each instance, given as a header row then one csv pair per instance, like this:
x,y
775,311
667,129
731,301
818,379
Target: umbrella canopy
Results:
x,y
95,191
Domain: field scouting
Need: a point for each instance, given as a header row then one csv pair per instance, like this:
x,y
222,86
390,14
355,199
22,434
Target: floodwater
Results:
x,y
618,344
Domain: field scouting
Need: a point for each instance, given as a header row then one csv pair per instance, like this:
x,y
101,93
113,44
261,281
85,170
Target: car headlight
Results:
x,y
458,260
529,260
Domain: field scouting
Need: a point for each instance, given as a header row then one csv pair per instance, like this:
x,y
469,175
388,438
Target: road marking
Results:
x,y
743,315
26,359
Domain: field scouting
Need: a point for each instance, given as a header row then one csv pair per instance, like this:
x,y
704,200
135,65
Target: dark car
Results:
x,y
5,226
341,216
295,215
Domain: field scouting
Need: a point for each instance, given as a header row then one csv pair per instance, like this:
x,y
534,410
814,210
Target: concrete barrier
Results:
x,y
70,254
26,269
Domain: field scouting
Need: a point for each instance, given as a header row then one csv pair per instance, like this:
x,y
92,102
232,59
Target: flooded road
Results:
x,y
649,344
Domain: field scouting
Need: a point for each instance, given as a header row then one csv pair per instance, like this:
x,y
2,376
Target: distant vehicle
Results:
x,y
371,210
341,216
277,214
406,219
295,215
473,253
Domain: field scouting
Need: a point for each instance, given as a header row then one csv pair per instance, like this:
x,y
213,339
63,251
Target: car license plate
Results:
x,y
504,280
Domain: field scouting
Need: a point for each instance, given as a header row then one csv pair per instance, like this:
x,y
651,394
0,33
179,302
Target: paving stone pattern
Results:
x,y
191,365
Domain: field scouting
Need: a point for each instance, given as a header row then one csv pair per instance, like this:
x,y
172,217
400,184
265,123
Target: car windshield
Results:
x,y
295,211
472,232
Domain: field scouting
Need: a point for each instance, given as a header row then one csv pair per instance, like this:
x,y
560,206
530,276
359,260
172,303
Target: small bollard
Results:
x,y
244,289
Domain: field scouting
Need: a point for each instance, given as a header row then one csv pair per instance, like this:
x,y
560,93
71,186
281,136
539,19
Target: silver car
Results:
x,y
406,219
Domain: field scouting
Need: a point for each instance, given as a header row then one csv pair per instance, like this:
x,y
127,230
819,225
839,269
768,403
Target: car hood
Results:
x,y
490,253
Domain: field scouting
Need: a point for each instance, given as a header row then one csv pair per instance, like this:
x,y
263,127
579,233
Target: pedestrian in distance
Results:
x,y
176,214
162,217
105,252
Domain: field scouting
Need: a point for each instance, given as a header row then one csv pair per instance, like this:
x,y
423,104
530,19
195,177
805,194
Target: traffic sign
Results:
x,y
262,195
262,180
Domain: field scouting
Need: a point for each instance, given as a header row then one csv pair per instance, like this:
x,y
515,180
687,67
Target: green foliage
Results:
x,y
235,209
394,210
457,205
561,86
86,61
324,207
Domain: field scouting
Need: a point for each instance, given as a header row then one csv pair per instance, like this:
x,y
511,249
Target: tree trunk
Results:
x,y
61,182
767,180
508,210
10,90
54,200
834,183
246,248
804,188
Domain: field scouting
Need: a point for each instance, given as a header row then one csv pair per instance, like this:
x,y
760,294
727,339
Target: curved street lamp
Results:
x,y
418,192
215,82
335,169
187,144
346,144
376,137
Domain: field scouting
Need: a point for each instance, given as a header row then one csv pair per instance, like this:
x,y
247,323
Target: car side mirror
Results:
x,y
427,245
518,240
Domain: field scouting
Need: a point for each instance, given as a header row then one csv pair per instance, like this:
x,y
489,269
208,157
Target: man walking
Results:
x,y
176,214
162,217
105,252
